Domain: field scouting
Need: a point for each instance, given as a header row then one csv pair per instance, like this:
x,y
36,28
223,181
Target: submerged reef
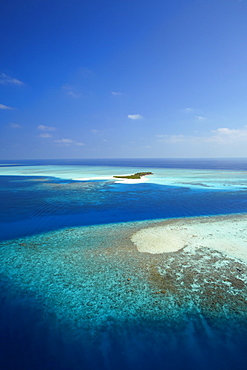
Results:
x,y
94,278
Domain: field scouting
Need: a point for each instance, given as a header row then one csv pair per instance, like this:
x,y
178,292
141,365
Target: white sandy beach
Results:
x,y
226,234
116,180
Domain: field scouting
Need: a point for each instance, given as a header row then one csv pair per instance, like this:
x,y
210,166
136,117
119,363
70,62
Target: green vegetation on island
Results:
x,y
136,176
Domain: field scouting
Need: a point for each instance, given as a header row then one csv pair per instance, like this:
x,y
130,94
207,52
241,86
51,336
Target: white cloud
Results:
x,y
86,72
15,125
73,95
45,135
64,141
2,106
220,136
189,110
201,118
71,91
94,131
67,87
172,138
135,116
7,80
68,142
116,93
227,135
46,128
228,131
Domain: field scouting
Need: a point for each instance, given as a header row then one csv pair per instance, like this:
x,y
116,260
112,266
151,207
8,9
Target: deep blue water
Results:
x,y
192,163
31,206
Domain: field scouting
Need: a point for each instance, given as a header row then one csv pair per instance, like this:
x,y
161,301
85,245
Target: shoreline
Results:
x,y
226,234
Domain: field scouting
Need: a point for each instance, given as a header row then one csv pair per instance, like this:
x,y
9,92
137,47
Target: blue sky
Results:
x,y
123,78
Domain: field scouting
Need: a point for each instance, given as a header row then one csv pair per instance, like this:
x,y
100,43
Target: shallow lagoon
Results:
x,y
84,297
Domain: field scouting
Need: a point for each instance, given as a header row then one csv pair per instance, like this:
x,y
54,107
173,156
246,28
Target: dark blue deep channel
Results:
x,y
30,340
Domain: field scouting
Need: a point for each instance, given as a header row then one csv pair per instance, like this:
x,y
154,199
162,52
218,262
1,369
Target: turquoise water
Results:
x,y
196,178
76,293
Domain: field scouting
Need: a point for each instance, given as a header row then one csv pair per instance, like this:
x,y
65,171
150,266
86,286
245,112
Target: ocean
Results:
x,y
77,294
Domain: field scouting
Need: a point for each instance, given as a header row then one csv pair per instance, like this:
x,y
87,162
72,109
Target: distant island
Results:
x,y
136,176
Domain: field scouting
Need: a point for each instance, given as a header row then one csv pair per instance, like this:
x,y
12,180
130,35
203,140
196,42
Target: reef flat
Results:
x,y
95,277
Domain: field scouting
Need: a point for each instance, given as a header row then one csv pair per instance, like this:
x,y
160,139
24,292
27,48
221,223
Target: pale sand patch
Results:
x,y
120,181
160,239
226,234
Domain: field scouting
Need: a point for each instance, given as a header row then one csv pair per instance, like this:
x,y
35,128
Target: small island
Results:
x,y
136,176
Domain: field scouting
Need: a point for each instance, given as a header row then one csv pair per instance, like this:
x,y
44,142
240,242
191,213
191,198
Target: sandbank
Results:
x,y
116,180
226,234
